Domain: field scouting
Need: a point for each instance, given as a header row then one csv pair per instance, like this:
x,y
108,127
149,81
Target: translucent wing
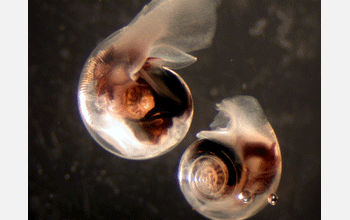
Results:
x,y
165,29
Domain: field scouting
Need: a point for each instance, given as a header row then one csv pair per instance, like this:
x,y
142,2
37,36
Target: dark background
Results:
x,y
277,61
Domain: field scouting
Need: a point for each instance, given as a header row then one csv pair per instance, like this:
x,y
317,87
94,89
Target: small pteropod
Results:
x,y
130,100
233,171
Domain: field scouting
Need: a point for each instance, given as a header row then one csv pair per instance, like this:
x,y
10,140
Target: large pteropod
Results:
x,y
233,171
130,100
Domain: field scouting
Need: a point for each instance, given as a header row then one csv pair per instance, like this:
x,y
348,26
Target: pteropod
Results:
x,y
131,101
233,170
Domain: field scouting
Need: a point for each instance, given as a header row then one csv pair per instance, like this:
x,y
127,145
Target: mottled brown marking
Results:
x,y
138,101
157,128
262,151
263,179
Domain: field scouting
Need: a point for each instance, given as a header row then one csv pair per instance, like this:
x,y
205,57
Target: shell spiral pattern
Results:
x,y
232,171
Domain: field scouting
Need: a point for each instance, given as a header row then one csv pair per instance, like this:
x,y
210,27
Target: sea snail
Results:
x,y
130,100
234,169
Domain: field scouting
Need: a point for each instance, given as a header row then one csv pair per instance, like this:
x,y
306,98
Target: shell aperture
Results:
x,y
130,100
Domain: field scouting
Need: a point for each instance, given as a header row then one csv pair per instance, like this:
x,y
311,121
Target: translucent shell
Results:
x,y
232,171
130,100
135,120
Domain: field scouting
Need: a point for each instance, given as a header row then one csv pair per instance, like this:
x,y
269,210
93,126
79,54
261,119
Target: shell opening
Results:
x,y
147,104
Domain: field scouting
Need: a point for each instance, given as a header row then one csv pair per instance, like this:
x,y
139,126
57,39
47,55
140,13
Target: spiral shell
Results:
x,y
130,101
232,171
135,119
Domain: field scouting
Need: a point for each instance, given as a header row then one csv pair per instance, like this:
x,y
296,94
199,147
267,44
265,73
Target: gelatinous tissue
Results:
x,y
233,170
130,100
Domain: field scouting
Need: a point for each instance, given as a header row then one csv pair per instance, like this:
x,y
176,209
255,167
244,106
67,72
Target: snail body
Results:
x,y
132,120
233,170
131,101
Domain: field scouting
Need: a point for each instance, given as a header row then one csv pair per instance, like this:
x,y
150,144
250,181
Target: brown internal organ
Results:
x,y
138,101
156,128
135,99
269,161
267,170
